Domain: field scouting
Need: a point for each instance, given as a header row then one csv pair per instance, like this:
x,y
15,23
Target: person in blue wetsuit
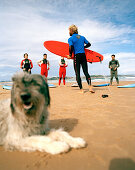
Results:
x,y
77,44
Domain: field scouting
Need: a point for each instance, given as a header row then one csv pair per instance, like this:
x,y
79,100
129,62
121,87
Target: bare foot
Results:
x,y
81,91
91,90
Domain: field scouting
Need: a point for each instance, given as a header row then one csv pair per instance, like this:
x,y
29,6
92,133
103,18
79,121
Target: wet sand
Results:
x,y
107,125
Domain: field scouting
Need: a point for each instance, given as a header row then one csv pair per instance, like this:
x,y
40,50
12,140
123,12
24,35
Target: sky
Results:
x,y
109,25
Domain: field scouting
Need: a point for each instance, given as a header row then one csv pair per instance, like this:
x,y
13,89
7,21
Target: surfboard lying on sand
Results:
x,y
51,85
102,85
127,86
74,85
7,87
62,49
6,84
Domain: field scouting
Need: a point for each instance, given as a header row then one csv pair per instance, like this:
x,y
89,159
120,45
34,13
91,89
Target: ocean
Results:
x,y
95,78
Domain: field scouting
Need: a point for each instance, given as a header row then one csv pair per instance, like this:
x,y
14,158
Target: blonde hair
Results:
x,y
74,28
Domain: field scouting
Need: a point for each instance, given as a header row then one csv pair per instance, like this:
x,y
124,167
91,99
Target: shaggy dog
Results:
x,y
24,119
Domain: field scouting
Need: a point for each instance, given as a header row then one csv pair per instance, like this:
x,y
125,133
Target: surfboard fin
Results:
x,y
99,58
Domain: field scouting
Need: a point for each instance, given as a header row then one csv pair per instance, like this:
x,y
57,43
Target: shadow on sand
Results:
x,y
67,124
122,164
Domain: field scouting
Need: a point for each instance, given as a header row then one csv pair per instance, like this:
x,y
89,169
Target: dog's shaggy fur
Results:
x,y
24,119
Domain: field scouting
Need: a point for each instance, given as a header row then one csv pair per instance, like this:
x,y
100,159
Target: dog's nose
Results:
x,y
25,96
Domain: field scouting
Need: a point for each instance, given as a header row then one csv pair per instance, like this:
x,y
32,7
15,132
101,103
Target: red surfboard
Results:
x,y
62,49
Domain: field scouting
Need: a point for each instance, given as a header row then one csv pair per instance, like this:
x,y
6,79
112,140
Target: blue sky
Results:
x,y
108,24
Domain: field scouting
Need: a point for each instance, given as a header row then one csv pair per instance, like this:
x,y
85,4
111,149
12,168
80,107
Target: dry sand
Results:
x,y
107,124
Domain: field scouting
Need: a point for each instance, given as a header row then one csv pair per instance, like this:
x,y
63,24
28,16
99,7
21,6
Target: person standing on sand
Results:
x,y
77,45
44,64
26,64
113,65
62,71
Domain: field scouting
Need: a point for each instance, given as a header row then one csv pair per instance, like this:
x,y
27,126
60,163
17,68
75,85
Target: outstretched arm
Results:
x,y
39,62
71,49
21,66
87,45
66,64
31,64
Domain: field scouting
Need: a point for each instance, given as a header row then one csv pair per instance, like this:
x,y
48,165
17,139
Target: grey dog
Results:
x,y
24,119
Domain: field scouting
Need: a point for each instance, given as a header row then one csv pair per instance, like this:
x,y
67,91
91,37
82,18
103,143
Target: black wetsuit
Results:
x,y
114,64
80,60
76,44
27,64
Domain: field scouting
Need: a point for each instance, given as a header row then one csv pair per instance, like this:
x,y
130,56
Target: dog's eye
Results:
x,y
35,83
17,86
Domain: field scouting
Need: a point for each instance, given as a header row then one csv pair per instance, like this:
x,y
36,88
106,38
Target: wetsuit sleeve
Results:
x,y
31,64
21,66
71,47
87,43
118,65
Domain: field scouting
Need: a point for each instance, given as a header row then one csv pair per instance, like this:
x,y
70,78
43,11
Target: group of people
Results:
x,y
27,65
77,45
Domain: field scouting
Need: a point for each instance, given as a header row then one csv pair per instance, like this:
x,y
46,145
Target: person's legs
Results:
x,y
30,72
42,72
116,77
26,71
112,75
64,75
60,80
46,74
60,76
85,71
77,70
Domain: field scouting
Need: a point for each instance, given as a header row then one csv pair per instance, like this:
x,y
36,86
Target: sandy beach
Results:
x,y
107,125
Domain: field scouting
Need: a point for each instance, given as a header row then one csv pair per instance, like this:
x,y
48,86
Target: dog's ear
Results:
x,y
12,96
13,78
12,108
46,91
47,94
